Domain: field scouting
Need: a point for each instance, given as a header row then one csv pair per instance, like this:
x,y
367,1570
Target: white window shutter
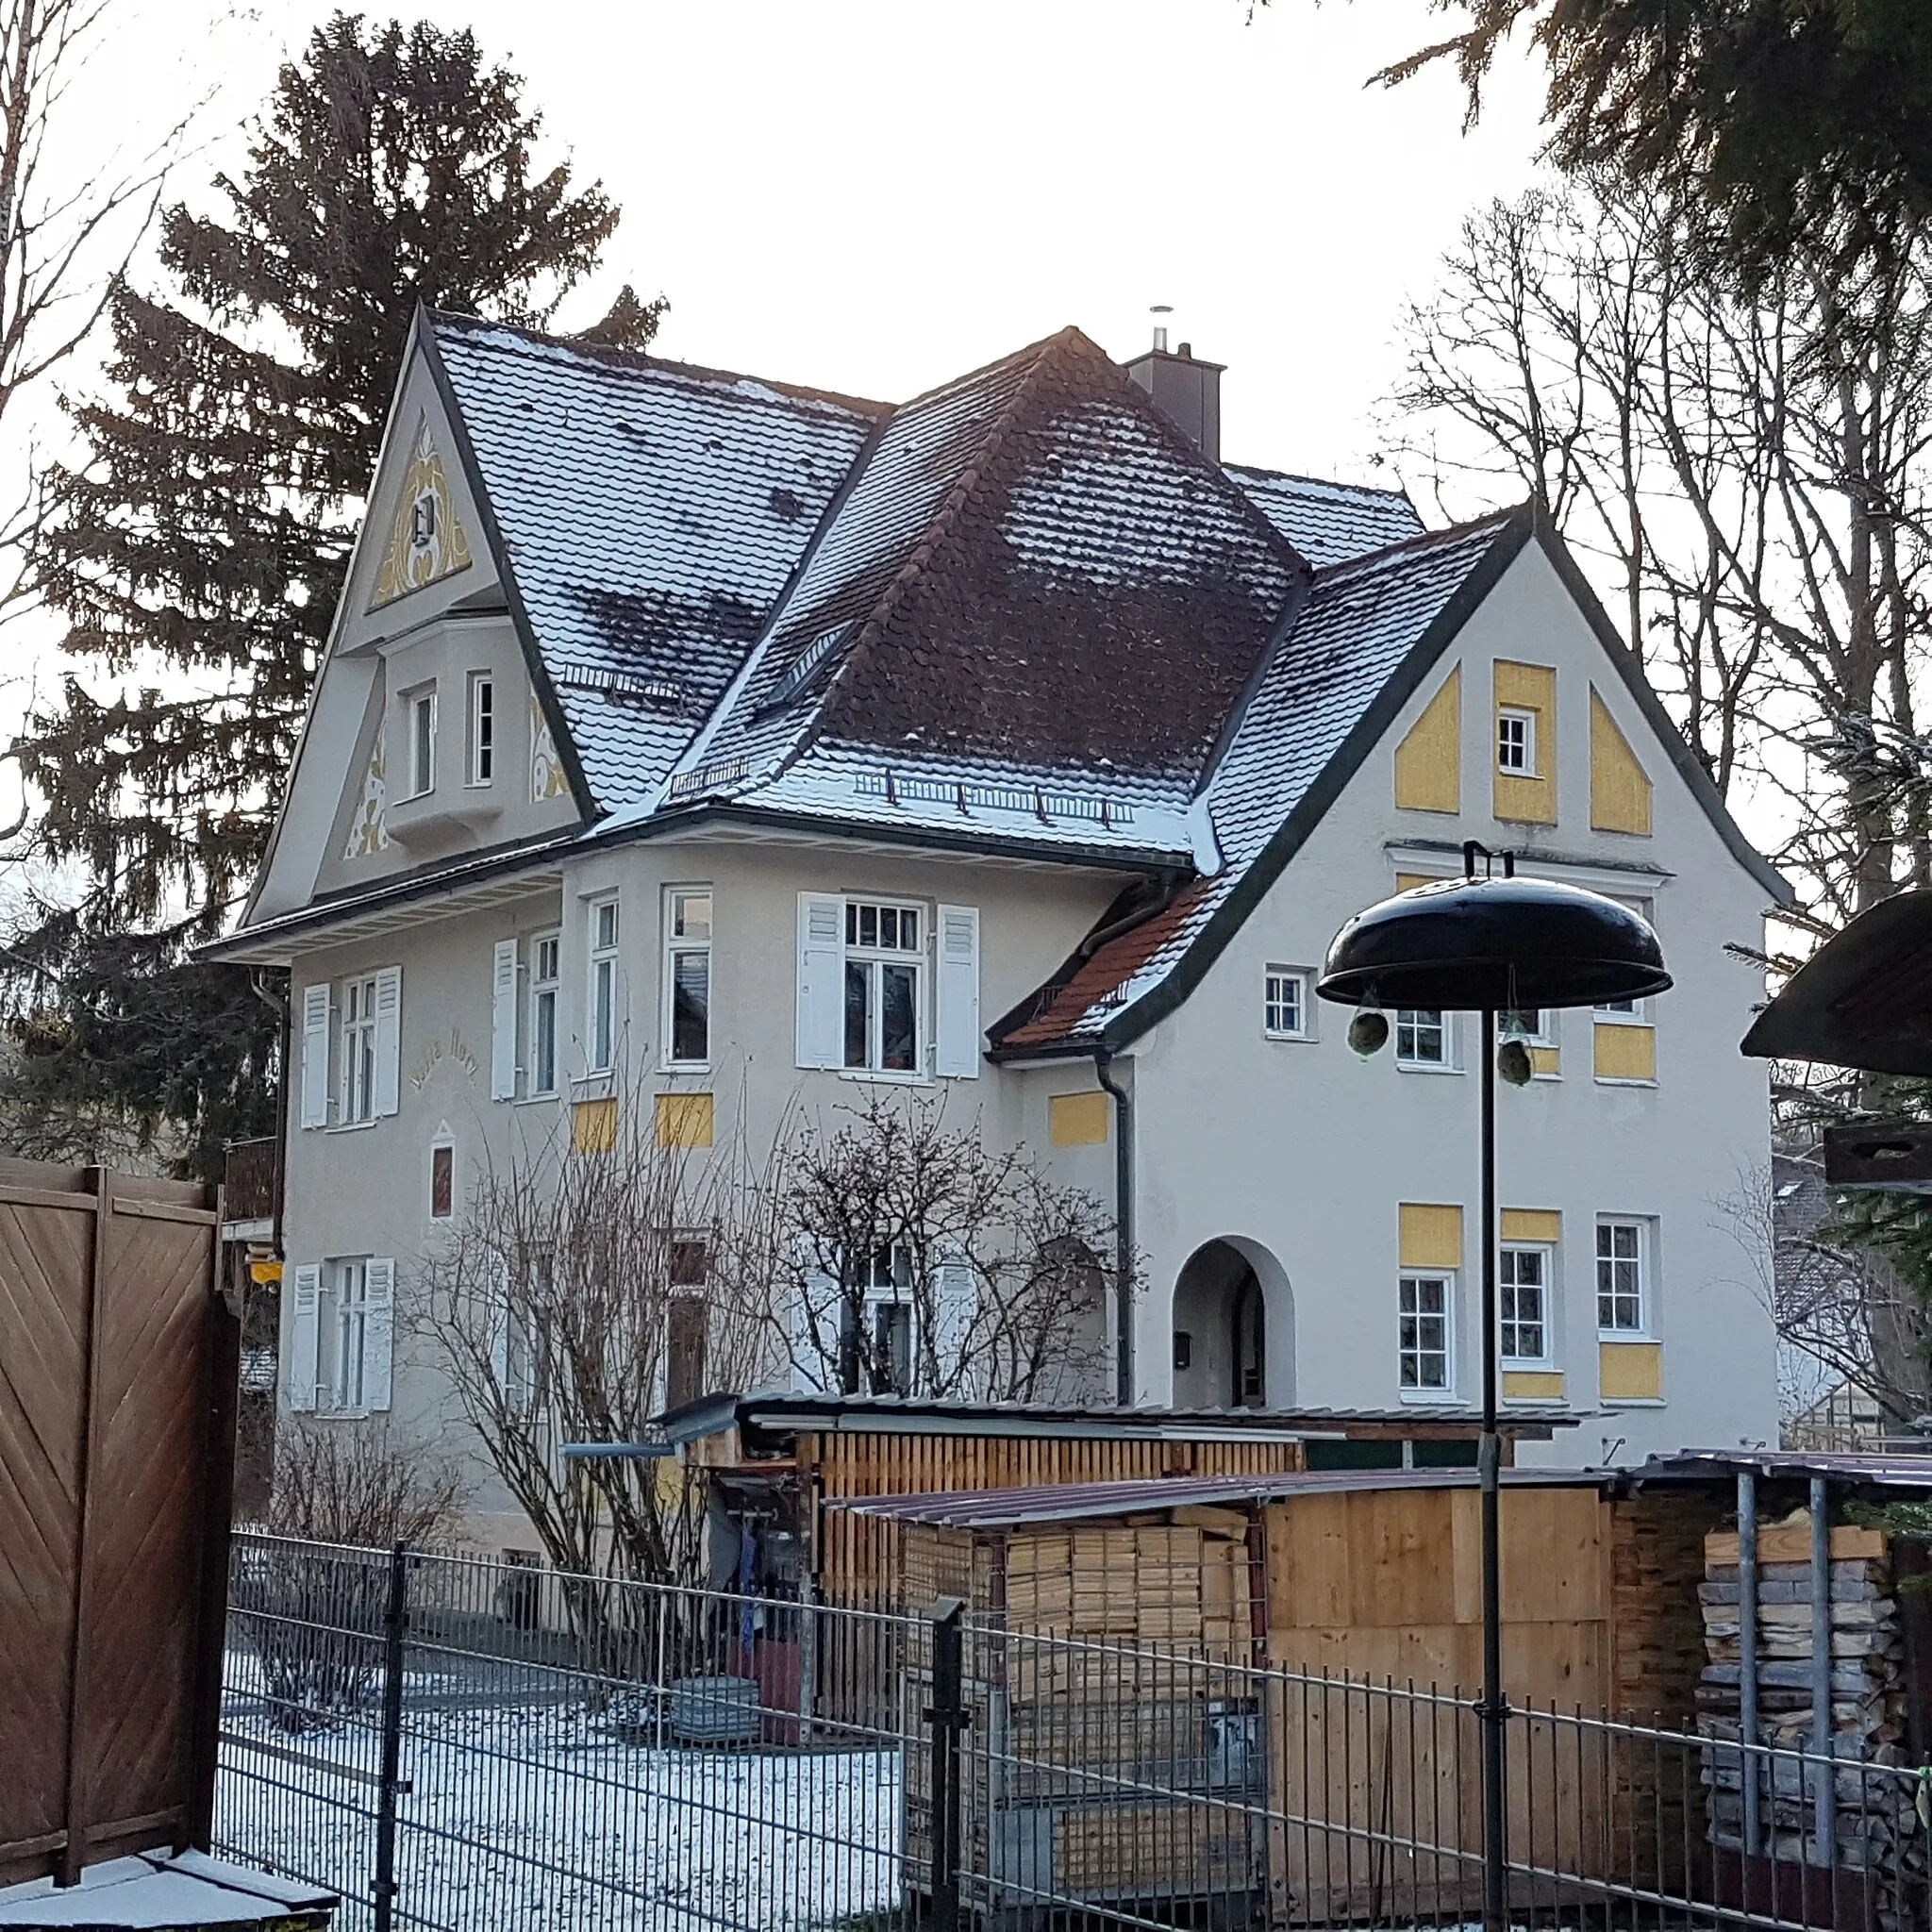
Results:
x,y
315,1056
379,1334
305,1333
821,980
388,1041
503,1021
956,1032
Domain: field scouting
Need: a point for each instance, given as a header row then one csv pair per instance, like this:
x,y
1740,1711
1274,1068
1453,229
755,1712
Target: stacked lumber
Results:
x,y
1875,1827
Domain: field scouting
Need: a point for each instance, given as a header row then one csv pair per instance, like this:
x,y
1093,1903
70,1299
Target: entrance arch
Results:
x,y
1233,1329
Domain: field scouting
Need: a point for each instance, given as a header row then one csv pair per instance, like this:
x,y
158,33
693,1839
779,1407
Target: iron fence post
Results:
x,y
945,1719
395,1623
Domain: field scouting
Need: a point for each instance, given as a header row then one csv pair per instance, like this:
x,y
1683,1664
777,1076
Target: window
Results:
x,y
358,1051
1523,1022
482,727
1284,1004
1422,1038
688,976
543,962
351,1333
601,1050
443,1181
1619,1284
1516,742
882,967
1425,1333
883,1344
420,710
1523,1306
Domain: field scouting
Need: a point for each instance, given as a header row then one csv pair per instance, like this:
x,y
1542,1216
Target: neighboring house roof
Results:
x,y
1328,523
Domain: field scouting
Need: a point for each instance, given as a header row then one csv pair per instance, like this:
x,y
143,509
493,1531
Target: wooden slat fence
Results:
x,y
118,1362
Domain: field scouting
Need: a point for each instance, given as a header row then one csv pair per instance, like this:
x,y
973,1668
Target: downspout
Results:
x,y
1123,1228
284,1010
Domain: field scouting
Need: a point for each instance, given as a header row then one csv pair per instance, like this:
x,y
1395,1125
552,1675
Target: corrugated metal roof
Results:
x,y
1064,1502
1893,1471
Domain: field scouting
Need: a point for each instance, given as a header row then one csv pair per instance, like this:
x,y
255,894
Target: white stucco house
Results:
x,y
1009,741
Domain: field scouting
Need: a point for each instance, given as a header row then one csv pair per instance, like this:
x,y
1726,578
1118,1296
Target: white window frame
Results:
x,y
349,1318
679,948
420,742
546,996
1507,1257
481,768
1645,1263
1512,719
874,959
1544,1034
601,986
884,1289
1412,1278
358,1048
1411,1018
1275,1020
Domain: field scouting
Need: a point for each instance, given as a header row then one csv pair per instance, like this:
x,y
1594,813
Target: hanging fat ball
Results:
x,y
1514,1063
1368,1032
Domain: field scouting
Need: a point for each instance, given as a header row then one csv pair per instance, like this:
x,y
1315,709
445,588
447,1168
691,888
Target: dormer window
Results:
x,y
482,727
420,714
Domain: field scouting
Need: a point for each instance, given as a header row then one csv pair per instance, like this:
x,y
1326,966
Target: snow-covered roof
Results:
x,y
1328,523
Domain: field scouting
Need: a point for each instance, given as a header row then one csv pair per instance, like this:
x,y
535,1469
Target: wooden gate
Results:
x,y
118,1362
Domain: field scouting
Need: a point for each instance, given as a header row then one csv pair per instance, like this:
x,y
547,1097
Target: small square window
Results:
x,y
1284,1004
1421,1037
1516,743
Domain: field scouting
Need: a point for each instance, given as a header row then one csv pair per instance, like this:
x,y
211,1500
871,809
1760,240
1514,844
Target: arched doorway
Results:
x,y
1229,1295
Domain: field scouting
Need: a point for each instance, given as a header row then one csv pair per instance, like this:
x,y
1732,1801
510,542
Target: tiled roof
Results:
x,y
1360,622
653,513
1328,523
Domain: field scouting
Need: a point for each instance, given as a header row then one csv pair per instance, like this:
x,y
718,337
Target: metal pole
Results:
x,y
1489,1463
1825,1772
1747,1650
946,1718
396,1622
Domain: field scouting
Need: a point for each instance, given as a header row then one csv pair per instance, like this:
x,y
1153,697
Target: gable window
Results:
x,y
1516,742
1621,1287
1421,1037
543,978
358,1051
1523,1304
1423,1347
883,961
1284,1004
688,975
600,1051
482,727
420,713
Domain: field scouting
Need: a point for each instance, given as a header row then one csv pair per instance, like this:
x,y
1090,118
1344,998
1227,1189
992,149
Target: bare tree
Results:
x,y
926,1262
573,1288
356,1486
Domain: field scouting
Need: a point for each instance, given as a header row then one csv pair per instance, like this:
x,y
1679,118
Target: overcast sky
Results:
x,y
873,197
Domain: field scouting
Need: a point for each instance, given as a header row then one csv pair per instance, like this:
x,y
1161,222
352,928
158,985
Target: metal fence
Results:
x,y
473,1745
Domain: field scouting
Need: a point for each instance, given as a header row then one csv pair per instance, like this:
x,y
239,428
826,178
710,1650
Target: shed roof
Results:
x,y
1887,1472
1060,1503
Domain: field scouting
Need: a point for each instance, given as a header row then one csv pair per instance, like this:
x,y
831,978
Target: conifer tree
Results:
x,y
198,553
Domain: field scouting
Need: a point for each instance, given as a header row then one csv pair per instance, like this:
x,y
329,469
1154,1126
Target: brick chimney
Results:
x,y
1186,390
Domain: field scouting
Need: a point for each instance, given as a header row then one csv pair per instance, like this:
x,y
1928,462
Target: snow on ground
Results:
x,y
539,1815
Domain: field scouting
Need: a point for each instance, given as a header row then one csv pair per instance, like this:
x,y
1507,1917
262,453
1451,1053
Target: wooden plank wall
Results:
x,y
857,1558
117,1401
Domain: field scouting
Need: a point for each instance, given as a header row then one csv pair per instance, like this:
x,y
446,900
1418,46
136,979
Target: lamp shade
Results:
x,y
1502,942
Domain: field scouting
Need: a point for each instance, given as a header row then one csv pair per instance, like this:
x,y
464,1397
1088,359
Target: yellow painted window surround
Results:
x,y
1530,687
1619,788
594,1127
1532,1385
1630,1371
1428,763
684,1119
1625,1053
1079,1120
1431,1235
1543,1224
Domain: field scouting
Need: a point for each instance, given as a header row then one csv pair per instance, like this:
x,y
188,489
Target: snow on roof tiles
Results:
x,y
1328,523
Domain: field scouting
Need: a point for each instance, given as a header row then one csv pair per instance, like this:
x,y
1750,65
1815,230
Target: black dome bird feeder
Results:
x,y
1490,944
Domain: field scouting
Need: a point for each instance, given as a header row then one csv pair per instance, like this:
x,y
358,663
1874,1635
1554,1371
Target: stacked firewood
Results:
x,y
1880,1839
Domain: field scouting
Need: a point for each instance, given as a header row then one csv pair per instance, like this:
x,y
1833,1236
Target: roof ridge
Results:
x,y
1396,495
642,363
862,645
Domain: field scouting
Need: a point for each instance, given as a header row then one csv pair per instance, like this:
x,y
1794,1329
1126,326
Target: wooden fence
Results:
x,y
118,1361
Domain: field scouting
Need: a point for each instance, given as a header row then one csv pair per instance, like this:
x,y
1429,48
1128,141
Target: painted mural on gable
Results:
x,y
548,779
427,541
368,834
